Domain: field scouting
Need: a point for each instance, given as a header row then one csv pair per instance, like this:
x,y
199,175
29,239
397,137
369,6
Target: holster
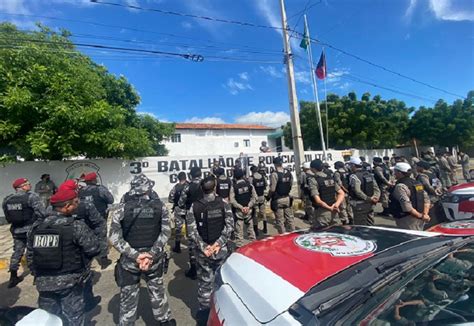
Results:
x,y
124,277
274,205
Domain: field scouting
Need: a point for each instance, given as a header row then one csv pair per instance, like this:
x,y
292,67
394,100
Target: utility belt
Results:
x,y
124,277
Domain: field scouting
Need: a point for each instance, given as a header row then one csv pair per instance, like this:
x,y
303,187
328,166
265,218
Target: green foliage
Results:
x,y
368,123
56,103
445,125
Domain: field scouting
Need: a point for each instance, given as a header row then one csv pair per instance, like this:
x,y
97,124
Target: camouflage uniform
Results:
x,y
402,193
308,203
182,205
207,266
179,214
464,160
45,189
63,294
259,209
19,233
321,216
453,165
127,265
284,218
243,221
444,171
383,183
360,200
345,210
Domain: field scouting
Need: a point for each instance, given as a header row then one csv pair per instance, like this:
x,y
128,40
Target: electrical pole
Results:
x,y
294,114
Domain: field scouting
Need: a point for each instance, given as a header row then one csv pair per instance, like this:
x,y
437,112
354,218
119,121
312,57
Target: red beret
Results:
x,y
62,196
70,184
18,182
90,176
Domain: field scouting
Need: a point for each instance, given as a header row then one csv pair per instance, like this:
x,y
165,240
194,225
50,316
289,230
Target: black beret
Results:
x,y
195,171
277,160
424,165
386,158
238,173
377,160
339,165
317,164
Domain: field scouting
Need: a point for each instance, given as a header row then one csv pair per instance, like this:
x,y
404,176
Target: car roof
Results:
x,y
306,258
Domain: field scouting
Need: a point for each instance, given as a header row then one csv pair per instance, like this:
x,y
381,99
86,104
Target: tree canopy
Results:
x,y
57,103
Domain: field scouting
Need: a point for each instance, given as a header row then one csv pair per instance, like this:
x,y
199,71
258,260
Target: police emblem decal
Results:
x,y
335,244
459,225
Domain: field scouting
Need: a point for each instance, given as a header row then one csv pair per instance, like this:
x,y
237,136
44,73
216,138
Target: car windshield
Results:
x,y
440,295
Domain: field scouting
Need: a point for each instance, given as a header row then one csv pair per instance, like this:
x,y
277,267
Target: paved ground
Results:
x,y
181,290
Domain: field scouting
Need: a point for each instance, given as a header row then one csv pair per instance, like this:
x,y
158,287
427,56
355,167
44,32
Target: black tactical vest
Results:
x,y
417,198
54,250
194,193
386,172
378,179
327,189
243,192
210,219
141,224
283,187
344,179
366,184
18,211
91,194
178,189
259,184
223,187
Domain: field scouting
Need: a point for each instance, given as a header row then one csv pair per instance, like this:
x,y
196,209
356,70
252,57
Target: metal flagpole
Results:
x,y
326,97
315,91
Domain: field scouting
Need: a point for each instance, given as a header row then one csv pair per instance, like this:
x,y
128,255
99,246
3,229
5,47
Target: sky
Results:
x,y
242,78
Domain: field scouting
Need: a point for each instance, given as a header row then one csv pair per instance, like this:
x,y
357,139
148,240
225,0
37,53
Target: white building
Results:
x,y
202,138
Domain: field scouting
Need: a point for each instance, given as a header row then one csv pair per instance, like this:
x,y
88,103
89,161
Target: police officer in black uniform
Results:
x,y
364,193
101,197
259,183
58,249
192,192
21,210
341,177
281,182
179,214
224,184
409,203
382,176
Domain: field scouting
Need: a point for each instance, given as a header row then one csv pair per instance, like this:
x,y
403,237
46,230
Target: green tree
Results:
x,y
366,123
56,102
445,125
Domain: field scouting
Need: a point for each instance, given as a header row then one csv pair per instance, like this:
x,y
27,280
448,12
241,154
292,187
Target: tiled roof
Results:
x,y
220,126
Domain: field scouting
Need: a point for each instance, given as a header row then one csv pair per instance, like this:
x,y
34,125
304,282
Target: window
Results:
x,y
175,138
247,142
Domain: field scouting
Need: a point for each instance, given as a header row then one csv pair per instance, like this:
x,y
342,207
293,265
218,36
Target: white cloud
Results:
x,y
267,118
213,120
303,77
447,10
235,87
334,77
271,71
410,9
204,8
187,25
244,75
14,7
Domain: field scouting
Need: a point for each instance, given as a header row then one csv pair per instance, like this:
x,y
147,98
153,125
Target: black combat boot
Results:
x,y
265,231
201,316
92,303
169,322
177,247
255,228
14,279
104,262
191,272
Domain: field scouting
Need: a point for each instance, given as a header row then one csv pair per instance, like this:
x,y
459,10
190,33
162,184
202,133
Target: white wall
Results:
x,y
205,142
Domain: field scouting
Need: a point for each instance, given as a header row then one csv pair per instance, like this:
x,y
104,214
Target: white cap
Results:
x,y
306,165
355,160
403,167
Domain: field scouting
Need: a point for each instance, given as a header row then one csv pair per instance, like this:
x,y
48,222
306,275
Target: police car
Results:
x,y
348,275
458,203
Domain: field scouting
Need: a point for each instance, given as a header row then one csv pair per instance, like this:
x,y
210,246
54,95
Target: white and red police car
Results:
x,y
347,275
458,203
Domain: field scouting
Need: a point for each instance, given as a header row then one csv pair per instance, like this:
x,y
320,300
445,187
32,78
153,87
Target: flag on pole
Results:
x,y
305,41
321,67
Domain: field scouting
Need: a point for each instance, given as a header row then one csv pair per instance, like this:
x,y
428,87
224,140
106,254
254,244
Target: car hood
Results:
x,y
461,228
462,189
270,275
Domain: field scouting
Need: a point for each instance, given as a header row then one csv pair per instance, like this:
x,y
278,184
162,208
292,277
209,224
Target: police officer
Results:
x,y
341,177
453,165
191,193
365,165
140,230
45,188
21,210
281,181
179,214
444,170
364,193
210,221
58,250
242,199
409,203
101,197
431,184
224,184
259,183
464,160
305,192
87,213
327,196
382,177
